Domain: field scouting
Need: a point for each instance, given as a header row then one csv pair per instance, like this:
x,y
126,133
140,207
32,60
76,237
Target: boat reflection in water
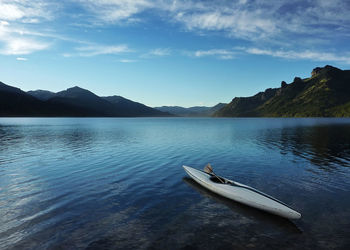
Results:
x,y
246,211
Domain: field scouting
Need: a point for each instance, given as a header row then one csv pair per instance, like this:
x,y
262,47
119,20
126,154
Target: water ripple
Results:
x,y
93,183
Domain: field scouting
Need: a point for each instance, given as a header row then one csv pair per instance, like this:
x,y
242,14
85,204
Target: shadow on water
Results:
x,y
327,147
246,211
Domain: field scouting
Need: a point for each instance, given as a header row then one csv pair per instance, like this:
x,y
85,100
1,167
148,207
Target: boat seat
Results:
x,y
216,180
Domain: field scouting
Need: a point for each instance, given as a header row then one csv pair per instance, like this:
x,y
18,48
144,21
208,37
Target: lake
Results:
x,y
118,183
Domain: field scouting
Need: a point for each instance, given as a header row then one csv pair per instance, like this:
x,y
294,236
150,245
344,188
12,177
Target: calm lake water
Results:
x,y
84,183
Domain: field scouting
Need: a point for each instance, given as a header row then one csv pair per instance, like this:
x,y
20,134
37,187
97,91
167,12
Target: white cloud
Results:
x,y
15,37
240,24
26,10
304,55
112,11
285,54
158,52
21,59
95,50
219,53
17,44
273,22
31,20
23,46
127,61
250,20
293,25
67,55
286,23
3,23
10,11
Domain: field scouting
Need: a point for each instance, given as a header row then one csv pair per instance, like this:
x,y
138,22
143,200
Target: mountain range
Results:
x,y
197,111
73,102
325,94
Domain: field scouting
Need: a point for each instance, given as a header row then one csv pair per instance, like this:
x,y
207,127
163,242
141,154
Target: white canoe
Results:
x,y
242,193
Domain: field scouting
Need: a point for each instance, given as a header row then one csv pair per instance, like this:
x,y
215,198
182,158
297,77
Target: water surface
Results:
x,y
117,183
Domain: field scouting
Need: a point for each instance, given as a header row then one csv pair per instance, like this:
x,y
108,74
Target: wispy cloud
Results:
x,y
22,46
15,15
304,55
158,52
27,11
16,44
10,11
284,26
239,24
218,53
96,50
312,55
127,61
112,11
270,21
21,59
237,18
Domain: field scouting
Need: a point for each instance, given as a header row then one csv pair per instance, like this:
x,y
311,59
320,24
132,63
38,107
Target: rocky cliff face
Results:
x,y
315,71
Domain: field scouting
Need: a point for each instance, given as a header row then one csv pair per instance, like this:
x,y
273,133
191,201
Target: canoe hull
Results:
x,y
243,194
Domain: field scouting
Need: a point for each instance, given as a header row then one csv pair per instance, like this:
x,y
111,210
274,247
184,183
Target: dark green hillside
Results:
x,y
246,106
325,94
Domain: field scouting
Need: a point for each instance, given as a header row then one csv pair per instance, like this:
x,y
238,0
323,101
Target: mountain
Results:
x,y
215,108
181,111
10,89
115,106
43,95
126,107
15,102
325,94
197,111
75,102
82,98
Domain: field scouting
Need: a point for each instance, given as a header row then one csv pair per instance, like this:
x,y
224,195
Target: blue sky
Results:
x,y
170,52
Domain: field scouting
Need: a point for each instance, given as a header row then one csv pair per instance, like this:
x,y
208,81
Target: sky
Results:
x,y
170,52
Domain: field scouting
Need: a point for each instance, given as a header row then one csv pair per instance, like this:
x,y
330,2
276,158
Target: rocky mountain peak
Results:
x,y
327,68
